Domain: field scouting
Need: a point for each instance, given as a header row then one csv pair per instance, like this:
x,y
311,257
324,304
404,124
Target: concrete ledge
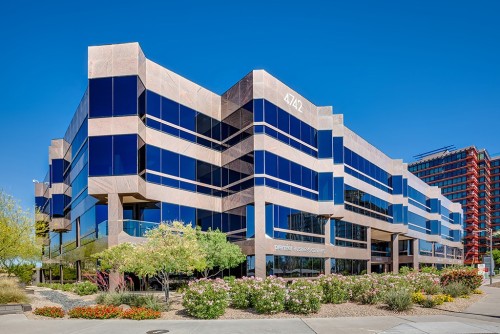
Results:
x,y
14,308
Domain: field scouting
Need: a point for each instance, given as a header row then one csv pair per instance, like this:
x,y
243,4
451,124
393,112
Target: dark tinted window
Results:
x,y
125,96
100,156
100,97
125,154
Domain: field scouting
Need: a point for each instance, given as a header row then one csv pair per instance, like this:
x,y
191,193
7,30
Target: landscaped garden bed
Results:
x,y
410,293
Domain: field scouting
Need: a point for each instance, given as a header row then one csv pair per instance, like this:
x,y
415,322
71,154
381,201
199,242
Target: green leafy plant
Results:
x,y
335,288
269,295
242,292
85,288
206,299
399,300
95,312
304,297
50,311
149,301
456,289
429,302
140,313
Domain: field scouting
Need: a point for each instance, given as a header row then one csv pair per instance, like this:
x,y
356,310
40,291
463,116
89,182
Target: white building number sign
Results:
x,y
293,101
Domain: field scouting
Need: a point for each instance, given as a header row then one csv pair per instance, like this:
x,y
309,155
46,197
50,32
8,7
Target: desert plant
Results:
x,y
85,288
270,295
335,289
95,312
428,302
304,297
477,292
50,311
68,287
140,313
465,275
134,300
399,300
10,292
206,299
456,289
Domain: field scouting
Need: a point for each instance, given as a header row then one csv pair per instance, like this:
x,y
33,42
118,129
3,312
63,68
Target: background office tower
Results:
x,y
285,179
470,177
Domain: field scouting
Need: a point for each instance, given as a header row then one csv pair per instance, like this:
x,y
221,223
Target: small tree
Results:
x,y
496,256
18,245
219,253
172,248
117,259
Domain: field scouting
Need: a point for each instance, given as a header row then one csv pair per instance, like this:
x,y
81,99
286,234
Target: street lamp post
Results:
x,y
492,263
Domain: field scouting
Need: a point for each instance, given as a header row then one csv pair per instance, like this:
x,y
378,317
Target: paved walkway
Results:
x,y
482,317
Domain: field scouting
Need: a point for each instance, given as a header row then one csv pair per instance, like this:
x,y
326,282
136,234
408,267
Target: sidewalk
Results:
x,y
482,317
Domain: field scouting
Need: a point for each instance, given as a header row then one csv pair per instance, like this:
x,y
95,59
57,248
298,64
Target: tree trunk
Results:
x,y
166,286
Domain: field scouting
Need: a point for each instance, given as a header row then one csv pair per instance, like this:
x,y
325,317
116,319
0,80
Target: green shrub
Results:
x,y
399,300
24,272
242,291
456,289
206,299
269,296
304,297
68,287
429,302
335,289
465,275
149,301
85,288
50,311
10,292
432,289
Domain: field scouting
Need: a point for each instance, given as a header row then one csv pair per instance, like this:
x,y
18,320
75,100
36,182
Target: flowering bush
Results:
x,y
270,295
477,292
456,289
467,276
242,292
50,311
335,288
206,299
442,298
368,289
85,288
304,297
418,297
95,312
140,313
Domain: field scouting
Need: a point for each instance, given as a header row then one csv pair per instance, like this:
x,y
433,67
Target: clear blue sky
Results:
x,y
409,76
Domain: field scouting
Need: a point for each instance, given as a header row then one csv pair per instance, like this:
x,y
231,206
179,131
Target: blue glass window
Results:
x,y
170,163
100,156
124,154
57,170
325,186
169,111
101,97
271,113
283,169
325,145
153,106
153,158
187,168
125,96
187,118
258,106
338,150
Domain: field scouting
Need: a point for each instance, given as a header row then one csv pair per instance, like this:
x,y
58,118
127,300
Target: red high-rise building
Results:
x,y
468,176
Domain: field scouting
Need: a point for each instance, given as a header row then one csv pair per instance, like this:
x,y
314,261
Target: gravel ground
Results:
x,y
48,297
177,311
68,300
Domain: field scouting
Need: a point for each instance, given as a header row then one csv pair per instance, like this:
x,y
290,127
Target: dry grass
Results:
x,y
10,292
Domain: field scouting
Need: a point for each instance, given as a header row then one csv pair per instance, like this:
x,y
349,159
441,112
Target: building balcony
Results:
x,y
60,224
138,228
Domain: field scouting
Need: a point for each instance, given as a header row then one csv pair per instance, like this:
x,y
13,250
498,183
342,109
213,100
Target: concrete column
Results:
x,y
260,236
115,227
328,263
415,254
395,252
369,248
61,272
78,265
